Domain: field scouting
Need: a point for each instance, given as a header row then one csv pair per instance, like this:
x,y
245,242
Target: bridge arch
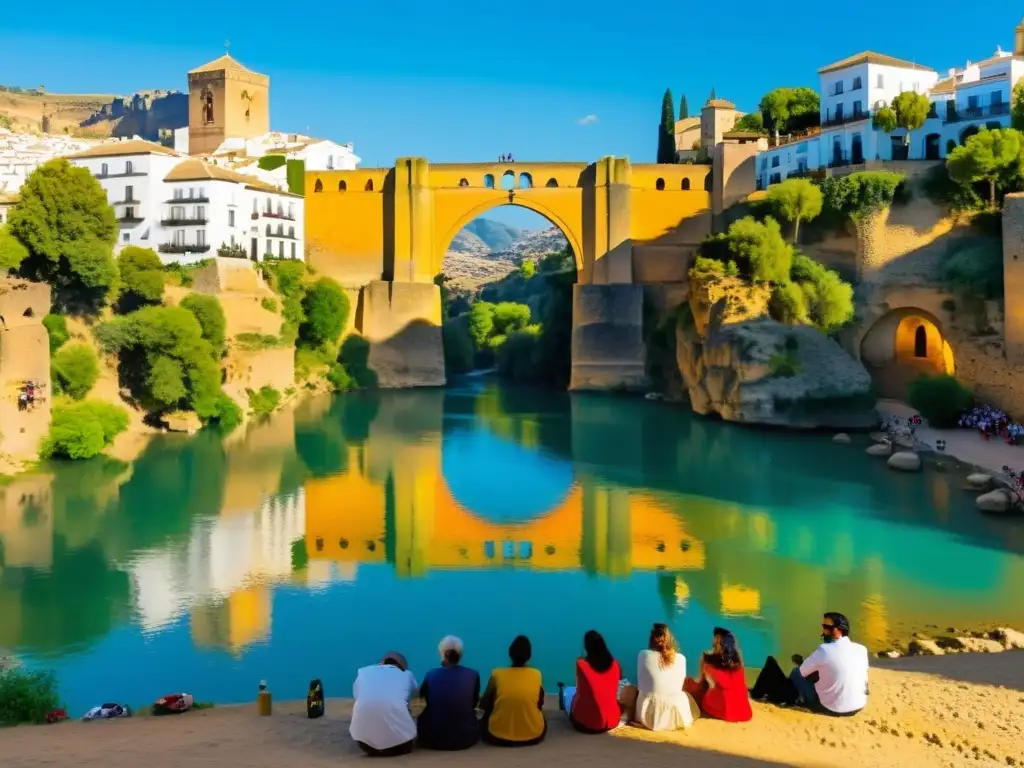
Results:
x,y
446,232
903,344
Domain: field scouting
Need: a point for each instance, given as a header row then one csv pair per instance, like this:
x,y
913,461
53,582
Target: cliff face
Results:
x,y
144,114
737,362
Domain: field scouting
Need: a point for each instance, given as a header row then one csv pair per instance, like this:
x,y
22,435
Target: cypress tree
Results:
x,y
684,110
667,130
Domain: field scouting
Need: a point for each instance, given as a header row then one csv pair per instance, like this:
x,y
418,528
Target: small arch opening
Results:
x,y
463,182
343,543
525,181
659,184
319,186
369,185
552,183
684,185
920,342
28,313
489,181
508,180
950,146
342,186
709,182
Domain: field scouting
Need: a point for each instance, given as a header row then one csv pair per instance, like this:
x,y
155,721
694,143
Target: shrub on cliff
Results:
x,y
795,200
64,220
83,430
57,327
12,252
264,401
518,357
827,298
990,156
287,278
210,314
940,399
326,309
977,270
510,316
758,248
75,369
165,361
859,194
142,278
27,697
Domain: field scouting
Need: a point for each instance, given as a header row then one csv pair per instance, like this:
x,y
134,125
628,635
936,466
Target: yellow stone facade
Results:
x,y
226,100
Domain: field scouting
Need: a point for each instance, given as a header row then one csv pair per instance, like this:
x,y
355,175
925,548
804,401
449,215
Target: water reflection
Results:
x,y
428,510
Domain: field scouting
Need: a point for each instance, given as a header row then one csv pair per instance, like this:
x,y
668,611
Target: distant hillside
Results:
x,y
487,250
93,115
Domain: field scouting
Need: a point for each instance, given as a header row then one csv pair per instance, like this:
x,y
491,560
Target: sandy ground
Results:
x,y
924,711
962,444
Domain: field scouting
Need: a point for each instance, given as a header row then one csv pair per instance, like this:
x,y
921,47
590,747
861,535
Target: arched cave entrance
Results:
x,y
902,345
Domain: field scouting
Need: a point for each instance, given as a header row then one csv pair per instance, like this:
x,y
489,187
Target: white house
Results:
x,y
186,209
967,99
22,153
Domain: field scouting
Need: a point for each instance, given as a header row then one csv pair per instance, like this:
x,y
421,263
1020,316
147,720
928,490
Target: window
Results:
x,y
280,249
342,186
178,194
838,89
280,230
268,207
200,212
255,206
291,231
231,220
291,210
685,184
659,184
463,182
369,185
996,98
552,182
972,102
933,111
858,109
202,191
920,342
775,161
103,169
330,162
319,186
857,84
880,83
269,232
293,250
129,213
125,237
179,237
191,192
128,168
839,111
129,193
201,237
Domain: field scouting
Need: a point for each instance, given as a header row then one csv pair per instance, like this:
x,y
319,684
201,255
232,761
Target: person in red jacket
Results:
x,y
720,689
593,705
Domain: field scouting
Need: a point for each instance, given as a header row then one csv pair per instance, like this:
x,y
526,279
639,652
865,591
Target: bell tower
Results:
x,y
226,100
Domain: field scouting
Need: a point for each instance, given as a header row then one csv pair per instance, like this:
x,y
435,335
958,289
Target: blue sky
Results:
x,y
467,80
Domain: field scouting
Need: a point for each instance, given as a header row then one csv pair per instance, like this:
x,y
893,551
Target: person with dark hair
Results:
x,y
833,681
658,702
720,688
513,703
593,703
450,692
381,723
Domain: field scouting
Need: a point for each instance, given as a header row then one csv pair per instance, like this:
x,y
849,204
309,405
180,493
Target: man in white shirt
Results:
x,y
381,722
834,680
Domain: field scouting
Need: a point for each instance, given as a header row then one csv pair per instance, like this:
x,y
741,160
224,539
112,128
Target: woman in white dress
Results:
x,y
661,702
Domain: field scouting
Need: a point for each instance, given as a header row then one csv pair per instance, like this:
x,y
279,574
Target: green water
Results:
x,y
309,544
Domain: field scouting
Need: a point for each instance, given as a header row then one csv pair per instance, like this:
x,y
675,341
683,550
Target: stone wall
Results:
x,y
402,323
1013,276
24,357
607,337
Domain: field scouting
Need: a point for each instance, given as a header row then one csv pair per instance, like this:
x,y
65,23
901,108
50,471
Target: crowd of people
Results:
x,y
510,711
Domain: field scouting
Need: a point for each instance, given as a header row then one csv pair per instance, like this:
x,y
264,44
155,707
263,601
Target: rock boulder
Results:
x,y
979,481
879,449
998,501
905,461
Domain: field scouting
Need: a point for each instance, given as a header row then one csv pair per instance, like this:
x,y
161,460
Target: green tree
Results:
x,y
76,368
752,121
941,399
1017,106
795,200
481,323
83,430
989,155
909,110
142,278
759,249
57,328
684,110
210,314
785,110
518,358
63,219
12,252
667,130
827,299
527,269
458,346
326,308
510,316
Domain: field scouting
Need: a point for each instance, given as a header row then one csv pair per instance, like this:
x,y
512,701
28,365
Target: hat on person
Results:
x,y
450,643
395,658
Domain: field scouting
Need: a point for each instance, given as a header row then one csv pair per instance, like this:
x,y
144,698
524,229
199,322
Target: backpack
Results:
x,y
315,699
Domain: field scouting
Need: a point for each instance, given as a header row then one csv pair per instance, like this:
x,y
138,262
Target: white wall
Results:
x,y
327,156
285,217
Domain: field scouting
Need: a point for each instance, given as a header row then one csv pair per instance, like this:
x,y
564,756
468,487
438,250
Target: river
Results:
x,y
309,544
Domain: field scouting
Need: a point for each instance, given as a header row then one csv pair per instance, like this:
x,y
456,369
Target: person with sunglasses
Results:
x,y
832,681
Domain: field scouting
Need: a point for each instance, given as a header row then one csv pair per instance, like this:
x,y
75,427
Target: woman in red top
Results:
x,y
595,705
720,689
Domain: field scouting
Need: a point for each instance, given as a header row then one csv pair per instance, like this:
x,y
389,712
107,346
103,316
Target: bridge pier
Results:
x,y
607,338
402,322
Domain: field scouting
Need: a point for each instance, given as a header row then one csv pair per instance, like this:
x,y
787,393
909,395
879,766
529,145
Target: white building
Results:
x,y
967,99
186,209
22,153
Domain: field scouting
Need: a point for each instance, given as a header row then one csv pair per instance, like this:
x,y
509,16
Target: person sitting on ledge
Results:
x,y
381,724
451,693
720,688
658,702
833,681
593,703
513,703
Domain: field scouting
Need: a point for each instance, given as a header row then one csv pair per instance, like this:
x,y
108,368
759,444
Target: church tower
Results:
x,y
225,101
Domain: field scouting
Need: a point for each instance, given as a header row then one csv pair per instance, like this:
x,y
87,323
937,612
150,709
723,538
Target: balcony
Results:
x,y
186,200
128,202
183,222
284,216
133,174
129,220
977,113
182,248
853,117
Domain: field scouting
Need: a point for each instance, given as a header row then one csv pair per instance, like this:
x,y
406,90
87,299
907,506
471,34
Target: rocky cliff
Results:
x,y
144,114
486,250
737,362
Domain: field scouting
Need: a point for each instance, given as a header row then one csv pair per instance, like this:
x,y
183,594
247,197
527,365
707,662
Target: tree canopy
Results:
x,y
989,155
909,110
667,130
12,252
62,217
796,200
684,110
752,121
785,110
142,278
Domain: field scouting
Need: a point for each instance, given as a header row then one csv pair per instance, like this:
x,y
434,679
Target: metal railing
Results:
x,y
182,248
186,222
977,113
853,117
